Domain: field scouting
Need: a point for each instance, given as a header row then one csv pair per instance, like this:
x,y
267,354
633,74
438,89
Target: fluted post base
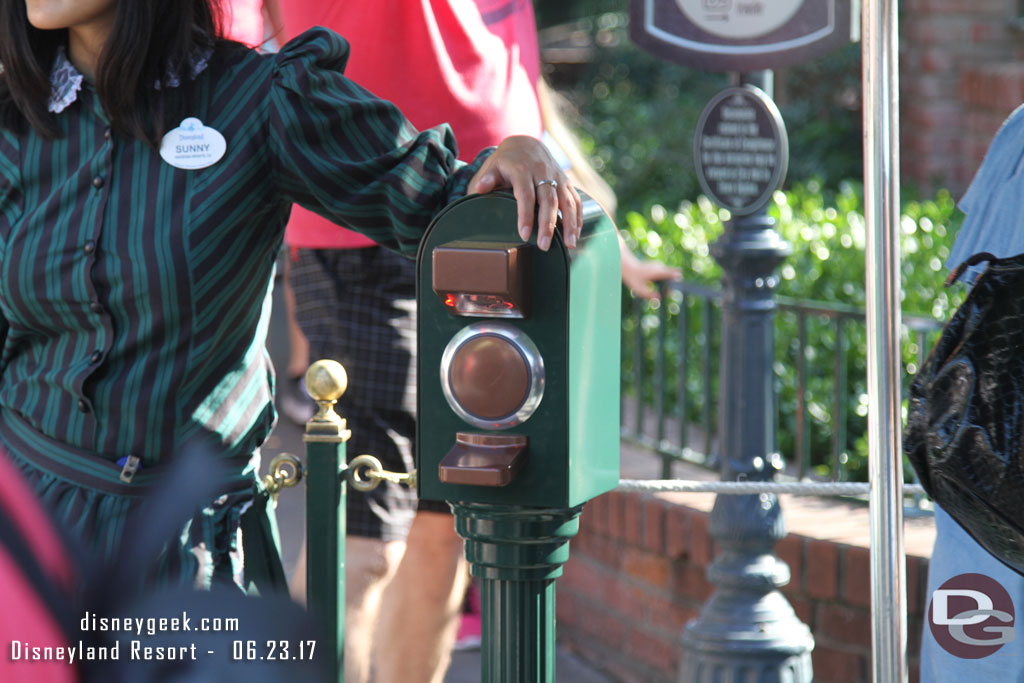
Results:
x,y
516,554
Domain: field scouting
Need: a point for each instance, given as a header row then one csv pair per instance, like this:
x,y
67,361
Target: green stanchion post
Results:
x,y
325,439
516,554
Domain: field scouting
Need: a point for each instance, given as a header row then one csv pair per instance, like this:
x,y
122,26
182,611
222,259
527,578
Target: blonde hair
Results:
x,y
580,170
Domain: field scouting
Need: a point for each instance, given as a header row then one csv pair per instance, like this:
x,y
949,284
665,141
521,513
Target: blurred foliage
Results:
x,y
554,12
820,103
636,115
827,232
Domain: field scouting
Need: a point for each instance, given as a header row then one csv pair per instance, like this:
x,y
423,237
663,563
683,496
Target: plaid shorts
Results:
x,y
358,307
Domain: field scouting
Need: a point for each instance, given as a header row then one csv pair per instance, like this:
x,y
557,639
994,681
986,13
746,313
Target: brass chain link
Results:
x,y
286,471
365,473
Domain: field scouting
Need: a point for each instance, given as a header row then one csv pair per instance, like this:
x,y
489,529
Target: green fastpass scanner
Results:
x,y
518,359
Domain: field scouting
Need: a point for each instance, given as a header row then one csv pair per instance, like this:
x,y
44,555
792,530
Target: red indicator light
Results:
x,y
449,301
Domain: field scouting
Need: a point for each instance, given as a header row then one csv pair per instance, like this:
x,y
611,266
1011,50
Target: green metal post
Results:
x,y
517,553
325,439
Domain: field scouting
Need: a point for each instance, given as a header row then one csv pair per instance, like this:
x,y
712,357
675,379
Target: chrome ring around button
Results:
x,y
531,357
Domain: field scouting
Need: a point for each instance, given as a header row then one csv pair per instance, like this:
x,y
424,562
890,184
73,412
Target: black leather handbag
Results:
x,y
965,421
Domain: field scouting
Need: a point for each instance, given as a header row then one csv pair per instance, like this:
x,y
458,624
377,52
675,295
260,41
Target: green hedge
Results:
x,y
827,232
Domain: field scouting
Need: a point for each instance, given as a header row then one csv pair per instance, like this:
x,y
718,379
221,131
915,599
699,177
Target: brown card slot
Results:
x,y
483,459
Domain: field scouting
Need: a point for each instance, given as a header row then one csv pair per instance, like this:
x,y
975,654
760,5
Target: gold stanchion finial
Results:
x,y
326,381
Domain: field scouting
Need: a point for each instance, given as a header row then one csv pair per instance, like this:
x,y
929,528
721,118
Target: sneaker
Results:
x,y
469,633
468,637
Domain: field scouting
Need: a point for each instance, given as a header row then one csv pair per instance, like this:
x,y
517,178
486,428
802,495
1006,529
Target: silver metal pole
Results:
x,y
880,58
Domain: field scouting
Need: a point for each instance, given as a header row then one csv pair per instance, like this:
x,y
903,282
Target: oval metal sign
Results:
x,y
743,35
741,149
739,20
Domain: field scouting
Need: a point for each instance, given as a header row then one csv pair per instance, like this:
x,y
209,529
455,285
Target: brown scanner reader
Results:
x,y
483,459
471,268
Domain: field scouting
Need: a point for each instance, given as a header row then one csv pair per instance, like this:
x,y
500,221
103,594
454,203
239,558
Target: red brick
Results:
x,y
791,551
600,549
689,581
565,609
917,585
615,525
631,603
822,572
677,531
804,609
988,31
699,551
660,653
936,59
914,628
842,624
937,30
598,519
631,522
832,665
857,576
654,570
585,579
667,616
654,525
600,624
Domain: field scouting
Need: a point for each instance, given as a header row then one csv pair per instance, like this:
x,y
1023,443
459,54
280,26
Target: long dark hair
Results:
x,y
150,38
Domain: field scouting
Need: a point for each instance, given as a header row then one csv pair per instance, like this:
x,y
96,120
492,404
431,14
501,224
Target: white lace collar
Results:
x,y
66,80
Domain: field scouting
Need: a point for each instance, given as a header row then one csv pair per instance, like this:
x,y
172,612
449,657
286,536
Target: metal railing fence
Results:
x,y
670,379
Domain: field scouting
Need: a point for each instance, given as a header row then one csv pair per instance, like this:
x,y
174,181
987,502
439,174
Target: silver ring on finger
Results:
x,y
552,183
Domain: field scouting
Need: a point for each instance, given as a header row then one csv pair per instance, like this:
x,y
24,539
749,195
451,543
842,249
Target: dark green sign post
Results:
x,y
518,408
747,630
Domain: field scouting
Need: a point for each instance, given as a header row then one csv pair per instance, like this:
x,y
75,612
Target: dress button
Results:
x,y
83,406
95,357
95,307
97,182
89,247
106,134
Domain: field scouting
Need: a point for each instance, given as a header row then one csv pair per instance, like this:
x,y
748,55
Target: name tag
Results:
x,y
193,145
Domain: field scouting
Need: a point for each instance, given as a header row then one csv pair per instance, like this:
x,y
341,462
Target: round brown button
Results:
x,y
95,307
95,357
489,377
83,406
97,182
106,134
89,247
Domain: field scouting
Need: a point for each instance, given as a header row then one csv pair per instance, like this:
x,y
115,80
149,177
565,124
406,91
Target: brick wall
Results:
x,y
636,577
991,92
944,46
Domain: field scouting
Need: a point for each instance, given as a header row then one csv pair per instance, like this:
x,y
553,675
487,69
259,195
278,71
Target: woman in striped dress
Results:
x,y
147,168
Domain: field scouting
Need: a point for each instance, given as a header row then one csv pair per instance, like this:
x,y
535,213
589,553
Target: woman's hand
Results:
x,y
525,165
641,276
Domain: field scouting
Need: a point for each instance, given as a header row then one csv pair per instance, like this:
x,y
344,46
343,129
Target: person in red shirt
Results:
x,y
473,64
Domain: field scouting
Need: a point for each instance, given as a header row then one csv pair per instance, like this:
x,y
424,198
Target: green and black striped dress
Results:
x,y
135,295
